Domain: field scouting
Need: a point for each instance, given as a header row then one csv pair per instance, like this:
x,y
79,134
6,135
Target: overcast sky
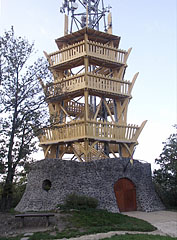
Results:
x,y
149,26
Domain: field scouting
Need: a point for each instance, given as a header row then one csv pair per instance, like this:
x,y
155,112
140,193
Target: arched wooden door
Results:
x,y
125,192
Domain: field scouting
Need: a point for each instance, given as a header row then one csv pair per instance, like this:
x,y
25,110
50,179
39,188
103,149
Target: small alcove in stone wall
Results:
x,y
46,185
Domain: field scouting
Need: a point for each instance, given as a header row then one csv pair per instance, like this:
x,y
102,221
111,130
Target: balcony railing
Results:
x,y
89,48
74,108
93,81
68,53
92,129
102,83
106,52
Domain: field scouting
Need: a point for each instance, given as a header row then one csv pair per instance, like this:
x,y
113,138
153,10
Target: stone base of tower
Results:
x,y
98,179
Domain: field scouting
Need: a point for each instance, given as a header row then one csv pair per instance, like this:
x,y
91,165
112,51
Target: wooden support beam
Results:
x,y
67,114
140,129
122,108
46,151
98,109
86,105
130,151
127,55
123,68
132,83
47,56
76,154
82,149
92,146
108,109
86,145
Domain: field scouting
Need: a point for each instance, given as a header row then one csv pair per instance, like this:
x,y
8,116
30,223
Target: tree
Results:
x,y
166,177
22,107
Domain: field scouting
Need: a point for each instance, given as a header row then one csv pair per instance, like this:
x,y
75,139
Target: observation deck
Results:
x,y
92,130
96,83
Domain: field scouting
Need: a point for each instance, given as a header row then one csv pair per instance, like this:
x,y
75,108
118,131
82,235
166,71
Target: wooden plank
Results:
x,y
46,151
76,154
138,132
108,109
98,109
133,82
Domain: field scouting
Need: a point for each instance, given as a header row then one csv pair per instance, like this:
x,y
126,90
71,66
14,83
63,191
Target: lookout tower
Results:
x,y
89,97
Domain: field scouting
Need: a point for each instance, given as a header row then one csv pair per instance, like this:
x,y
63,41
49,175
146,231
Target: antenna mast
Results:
x,y
79,10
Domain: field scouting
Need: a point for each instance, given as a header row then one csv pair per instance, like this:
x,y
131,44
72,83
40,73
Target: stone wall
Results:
x,y
95,179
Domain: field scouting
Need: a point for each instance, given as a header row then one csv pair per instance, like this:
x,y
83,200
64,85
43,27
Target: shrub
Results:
x,y
74,201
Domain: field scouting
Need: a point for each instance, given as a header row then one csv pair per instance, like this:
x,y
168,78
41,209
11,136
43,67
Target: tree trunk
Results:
x,y
7,193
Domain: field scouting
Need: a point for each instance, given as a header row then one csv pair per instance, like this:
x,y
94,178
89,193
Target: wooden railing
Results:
x,y
102,83
75,107
98,130
92,81
66,85
63,132
67,53
89,48
106,52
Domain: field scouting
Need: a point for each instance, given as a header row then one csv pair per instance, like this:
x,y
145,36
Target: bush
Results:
x,y
74,201
167,197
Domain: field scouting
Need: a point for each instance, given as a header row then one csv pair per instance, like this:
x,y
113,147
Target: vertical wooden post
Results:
x,y
66,25
86,105
110,23
115,111
86,143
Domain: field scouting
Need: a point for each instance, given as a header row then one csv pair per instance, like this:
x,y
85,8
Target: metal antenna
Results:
x,y
79,10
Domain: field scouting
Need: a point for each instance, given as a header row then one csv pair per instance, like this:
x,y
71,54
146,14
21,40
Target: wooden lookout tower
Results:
x,y
89,97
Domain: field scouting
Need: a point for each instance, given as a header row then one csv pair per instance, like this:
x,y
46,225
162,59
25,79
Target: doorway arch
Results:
x,y
125,192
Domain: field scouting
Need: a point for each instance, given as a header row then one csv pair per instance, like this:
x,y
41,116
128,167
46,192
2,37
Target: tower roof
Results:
x,y
93,35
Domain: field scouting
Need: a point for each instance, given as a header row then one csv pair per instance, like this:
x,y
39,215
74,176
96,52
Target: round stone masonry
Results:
x,y
51,180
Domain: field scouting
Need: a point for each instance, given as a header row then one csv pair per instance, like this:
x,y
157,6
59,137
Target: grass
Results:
x,y
139,237
85,222
97,221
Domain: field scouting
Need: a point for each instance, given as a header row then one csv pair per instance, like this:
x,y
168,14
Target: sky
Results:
x,y
149,27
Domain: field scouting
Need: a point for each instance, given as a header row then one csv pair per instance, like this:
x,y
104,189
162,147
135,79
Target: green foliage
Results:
x,y
18,190
22,107
165,178
74,201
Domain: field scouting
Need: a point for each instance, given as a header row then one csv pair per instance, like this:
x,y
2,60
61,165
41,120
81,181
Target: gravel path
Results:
x,y
111,234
